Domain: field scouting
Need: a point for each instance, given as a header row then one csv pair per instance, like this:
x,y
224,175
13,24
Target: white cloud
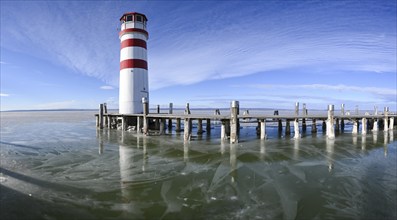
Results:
x,y
4,94
107,87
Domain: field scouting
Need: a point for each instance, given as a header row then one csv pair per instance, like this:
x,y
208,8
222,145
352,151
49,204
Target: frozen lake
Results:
x,y
56,165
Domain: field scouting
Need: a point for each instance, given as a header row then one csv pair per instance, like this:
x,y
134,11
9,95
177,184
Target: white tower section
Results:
x,y
133,63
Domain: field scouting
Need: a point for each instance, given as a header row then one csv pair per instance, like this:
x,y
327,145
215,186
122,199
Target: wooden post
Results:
x,y
208,126
355,126
157,120
386,113
123,123
375,126
187,129
187,109
337,125
100,116
304,112
200,126
296,129
109,121
162,126
342,121
280,125
178,125
223,130
139,124
324,127
330,122
105,111
97,120
234,122
263,129
170,111
145,113
364,126
391,126
296,108
287,128
314,126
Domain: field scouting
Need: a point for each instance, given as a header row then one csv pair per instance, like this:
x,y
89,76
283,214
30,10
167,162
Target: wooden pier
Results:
x,y
150,123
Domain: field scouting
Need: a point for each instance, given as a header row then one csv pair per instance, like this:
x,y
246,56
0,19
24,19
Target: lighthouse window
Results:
x,y
139,18
129,17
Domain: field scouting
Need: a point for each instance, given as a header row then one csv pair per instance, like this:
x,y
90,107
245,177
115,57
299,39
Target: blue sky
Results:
x,y
266,54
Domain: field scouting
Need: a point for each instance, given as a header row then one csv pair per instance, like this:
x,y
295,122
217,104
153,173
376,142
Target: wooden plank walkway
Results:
x,y
148,123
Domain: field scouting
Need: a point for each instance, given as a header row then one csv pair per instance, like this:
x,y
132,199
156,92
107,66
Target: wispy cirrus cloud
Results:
x,y
107,87
339,87
190,44
4,94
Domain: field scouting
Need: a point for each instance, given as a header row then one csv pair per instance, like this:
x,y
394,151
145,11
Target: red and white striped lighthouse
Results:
x,y
133,63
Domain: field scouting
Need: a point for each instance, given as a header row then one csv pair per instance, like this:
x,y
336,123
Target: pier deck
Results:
x,y
230,123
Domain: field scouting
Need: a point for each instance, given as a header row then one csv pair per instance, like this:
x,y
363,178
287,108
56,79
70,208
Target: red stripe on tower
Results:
x,y
133,42
133,63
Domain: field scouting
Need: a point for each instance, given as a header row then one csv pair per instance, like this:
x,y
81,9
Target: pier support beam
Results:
x,y
178,125
314,126
234,122
330,122
355,126
364,126
386,125
296,129
287,128
263,129
342,121
145,104
225,126
187,129
100,116
208,126
105,111
375,126
391,126
162,126
304,112
170,111
337,125
200,126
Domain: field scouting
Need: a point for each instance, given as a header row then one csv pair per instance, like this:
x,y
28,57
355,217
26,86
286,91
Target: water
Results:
x,y
56,165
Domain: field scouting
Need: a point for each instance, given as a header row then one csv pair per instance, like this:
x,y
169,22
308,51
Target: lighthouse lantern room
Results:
x,y
133,63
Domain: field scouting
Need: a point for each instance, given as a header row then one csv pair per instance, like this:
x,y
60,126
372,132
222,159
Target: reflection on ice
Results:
x,y
330,144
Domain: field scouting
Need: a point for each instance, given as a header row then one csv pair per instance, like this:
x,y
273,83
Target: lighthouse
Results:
x,y
133,63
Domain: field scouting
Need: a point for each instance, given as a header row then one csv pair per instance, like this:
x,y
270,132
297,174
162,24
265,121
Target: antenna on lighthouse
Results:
x,y
134,83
